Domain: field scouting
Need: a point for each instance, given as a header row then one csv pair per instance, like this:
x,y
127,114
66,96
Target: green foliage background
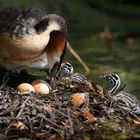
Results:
x,y
87,25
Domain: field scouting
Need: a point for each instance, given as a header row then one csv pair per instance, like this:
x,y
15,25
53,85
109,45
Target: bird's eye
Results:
x,y
66,71
109,78
41,25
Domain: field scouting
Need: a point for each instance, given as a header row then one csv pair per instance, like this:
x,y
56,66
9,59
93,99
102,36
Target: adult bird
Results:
x,y
32,38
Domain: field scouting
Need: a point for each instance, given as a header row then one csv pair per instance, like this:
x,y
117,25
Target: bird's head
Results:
x,y
33,38
112,78
55,29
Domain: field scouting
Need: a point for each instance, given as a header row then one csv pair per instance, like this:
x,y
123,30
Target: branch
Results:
x,y
74,53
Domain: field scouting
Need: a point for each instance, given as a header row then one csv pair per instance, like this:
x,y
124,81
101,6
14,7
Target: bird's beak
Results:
x,y
53,73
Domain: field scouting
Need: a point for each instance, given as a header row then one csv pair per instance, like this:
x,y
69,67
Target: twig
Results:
x,y
74,53
11,118
5,80
30,123
70,122
61,113
22,107
135,116
51,122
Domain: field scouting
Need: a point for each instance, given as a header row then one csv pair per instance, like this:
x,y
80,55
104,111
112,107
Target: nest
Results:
x,y
54,116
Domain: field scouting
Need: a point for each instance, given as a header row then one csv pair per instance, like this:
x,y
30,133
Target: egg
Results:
x,y
17,124
41,86
79,99
25,88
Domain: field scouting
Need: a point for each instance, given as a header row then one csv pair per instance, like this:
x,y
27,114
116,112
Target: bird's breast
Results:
x,y
23,48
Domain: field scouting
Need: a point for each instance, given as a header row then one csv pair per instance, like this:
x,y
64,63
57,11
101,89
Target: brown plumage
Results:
x,y
31,38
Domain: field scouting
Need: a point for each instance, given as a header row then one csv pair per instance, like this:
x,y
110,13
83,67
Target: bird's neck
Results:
x,y
55,48
116,87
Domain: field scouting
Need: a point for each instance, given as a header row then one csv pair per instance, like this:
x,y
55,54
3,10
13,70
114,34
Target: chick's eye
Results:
x,y
109,78
66,71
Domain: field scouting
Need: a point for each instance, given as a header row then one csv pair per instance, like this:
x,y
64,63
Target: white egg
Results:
x,y
41,86
25,88
79,99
